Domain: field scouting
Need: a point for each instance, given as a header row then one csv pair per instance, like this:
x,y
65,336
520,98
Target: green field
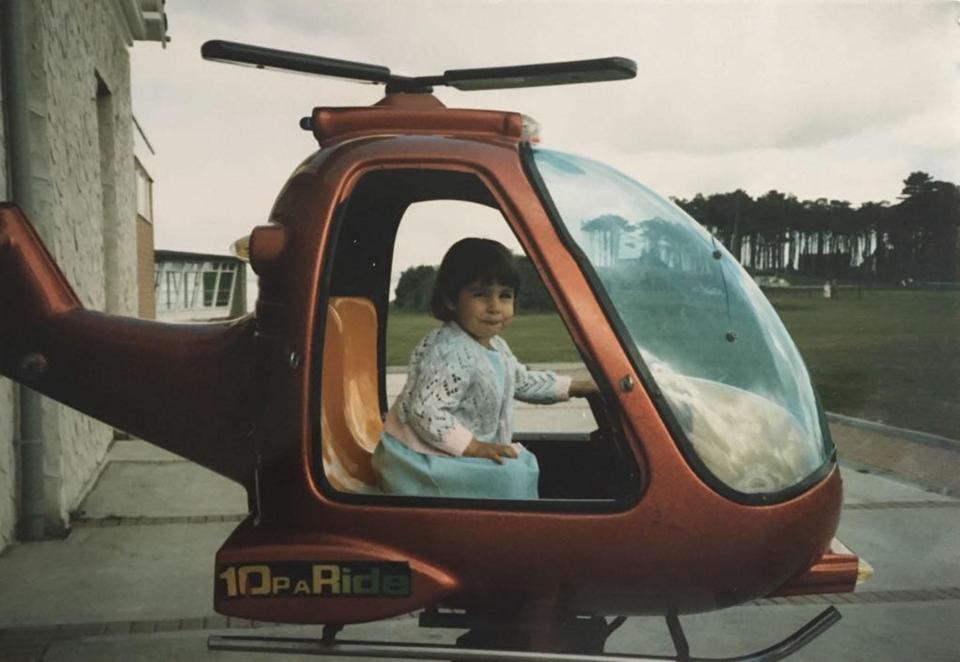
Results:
x,y
890,356
883,355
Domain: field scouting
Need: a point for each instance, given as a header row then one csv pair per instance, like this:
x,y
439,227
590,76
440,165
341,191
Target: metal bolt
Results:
x,y
731,336
294,360
717,255
32,367
626,383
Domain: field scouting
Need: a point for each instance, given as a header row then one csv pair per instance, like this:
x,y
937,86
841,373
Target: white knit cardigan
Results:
x,y
451,394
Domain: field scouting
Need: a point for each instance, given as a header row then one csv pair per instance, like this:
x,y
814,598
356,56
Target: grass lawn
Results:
x,y
889,355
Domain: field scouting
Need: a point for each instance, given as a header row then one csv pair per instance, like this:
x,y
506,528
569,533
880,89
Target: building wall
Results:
x,y
86,207
8,461
8,473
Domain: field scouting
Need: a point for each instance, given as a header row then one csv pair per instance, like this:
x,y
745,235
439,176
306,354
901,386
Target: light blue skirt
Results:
x,y
406,472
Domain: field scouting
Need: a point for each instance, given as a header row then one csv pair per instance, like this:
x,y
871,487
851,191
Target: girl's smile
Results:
x,y
484,309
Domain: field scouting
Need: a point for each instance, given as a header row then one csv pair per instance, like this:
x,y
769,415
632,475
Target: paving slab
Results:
x,y
192,645
914,548
868,633
931,466
114,573
561,417
164,489
862,486
137,450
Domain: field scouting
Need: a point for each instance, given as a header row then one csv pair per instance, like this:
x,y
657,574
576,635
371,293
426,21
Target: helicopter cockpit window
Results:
x,y
394,231
536,335
729,371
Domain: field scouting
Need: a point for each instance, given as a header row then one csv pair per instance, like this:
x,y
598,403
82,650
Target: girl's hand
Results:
x,y
495,452
581,388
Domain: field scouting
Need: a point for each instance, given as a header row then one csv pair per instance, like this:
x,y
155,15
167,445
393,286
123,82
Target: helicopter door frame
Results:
x,y
632,479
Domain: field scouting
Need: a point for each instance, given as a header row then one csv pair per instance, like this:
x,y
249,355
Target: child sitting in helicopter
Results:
x,y
449,432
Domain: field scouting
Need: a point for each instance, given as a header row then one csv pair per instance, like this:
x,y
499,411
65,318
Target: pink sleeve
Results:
x,y
457,440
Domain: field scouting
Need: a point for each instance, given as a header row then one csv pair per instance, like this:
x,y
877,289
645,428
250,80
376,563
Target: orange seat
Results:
x,y
350,422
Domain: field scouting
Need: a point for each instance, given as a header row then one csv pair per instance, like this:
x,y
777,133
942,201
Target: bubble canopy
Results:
x,y
731,377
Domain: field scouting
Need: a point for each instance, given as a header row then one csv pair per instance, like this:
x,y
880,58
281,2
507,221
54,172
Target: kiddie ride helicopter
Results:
x,y
710,480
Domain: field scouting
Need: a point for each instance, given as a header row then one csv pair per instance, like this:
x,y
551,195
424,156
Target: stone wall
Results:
x,y
8,472
86,200
8,458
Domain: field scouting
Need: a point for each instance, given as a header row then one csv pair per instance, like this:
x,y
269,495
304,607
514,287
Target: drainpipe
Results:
x,y
13,29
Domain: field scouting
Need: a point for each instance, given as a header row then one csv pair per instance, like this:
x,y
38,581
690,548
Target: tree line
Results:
x,y
915,239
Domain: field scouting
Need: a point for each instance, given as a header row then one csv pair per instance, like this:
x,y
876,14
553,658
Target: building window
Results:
x,y
195,287
144,192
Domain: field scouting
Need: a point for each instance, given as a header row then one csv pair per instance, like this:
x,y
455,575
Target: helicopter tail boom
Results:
x,y
41,289
175,385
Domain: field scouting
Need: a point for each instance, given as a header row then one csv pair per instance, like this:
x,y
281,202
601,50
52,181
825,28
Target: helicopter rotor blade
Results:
x,y
535,75
489,78
270,58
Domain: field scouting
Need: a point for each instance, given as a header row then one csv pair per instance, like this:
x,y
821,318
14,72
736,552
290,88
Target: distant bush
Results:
x,y
533,295
414,288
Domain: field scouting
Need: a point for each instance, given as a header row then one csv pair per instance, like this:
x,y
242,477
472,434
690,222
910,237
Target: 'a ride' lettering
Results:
x,y
298,578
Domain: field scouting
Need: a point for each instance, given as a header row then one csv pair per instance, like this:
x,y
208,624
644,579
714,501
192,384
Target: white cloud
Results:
x,y
818,99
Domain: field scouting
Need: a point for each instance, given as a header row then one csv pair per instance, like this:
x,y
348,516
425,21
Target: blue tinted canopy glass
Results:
x,y
730,373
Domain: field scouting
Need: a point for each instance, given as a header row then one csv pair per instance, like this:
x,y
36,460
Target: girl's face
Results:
x,y
483,311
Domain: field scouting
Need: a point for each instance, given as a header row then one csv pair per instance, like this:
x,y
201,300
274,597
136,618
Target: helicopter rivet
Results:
x,y
731,336
294,360
717,255
32,366
626,383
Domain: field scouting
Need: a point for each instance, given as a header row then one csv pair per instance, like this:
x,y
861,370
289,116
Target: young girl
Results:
x,y
449,432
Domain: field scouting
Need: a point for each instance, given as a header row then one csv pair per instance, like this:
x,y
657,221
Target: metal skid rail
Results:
x,y
329,647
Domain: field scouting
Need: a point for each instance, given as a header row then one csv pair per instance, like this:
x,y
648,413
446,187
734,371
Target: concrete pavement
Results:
x,y
134,578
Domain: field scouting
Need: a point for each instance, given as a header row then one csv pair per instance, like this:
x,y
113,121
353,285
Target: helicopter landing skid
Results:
x,y
328,646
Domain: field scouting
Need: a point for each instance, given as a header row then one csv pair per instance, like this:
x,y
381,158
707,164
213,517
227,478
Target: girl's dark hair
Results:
x,y
468,260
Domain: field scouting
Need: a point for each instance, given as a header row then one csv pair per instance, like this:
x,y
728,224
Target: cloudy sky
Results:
x,y
815,99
